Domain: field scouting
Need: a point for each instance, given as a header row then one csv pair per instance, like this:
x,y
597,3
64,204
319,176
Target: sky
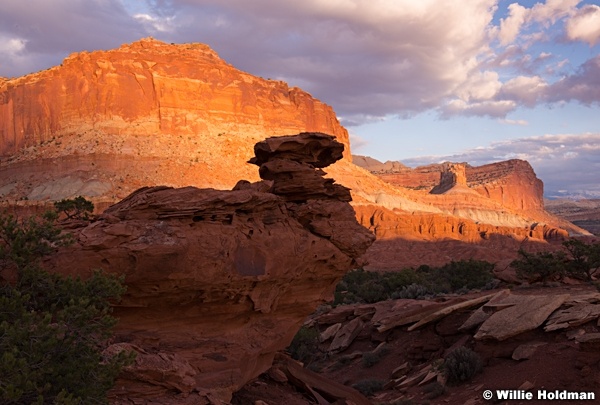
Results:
x,y
419,81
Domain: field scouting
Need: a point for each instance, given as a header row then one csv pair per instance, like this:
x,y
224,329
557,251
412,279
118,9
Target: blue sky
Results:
x,y
416,81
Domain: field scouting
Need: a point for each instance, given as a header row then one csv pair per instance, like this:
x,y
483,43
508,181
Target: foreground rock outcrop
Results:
x,y
219,281
533,339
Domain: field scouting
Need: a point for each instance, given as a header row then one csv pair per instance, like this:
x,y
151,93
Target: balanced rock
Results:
x,y
290,162
218,280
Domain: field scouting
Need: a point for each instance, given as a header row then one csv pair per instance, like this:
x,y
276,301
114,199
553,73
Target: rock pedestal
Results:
x,y
219,281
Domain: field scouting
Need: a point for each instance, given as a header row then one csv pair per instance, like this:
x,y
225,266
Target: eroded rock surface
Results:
x,y
105,123
219,281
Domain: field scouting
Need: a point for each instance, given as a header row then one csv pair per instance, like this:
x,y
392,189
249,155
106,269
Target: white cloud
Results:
x,y
514,122
12,46
520,17
479,86
490,108
583,85
552,10
585,25
158,24
510,26
526,90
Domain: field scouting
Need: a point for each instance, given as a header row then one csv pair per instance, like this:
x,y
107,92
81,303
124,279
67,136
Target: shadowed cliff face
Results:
x,y
218,281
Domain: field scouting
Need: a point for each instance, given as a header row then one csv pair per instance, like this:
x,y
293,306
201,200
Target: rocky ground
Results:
x,y
528,338
583,213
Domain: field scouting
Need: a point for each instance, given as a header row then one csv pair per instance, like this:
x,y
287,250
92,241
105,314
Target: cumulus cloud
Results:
x,y
556,159
514,122
511,25
490,108
585,25
583,86
526,90
50,30
369,59
520,17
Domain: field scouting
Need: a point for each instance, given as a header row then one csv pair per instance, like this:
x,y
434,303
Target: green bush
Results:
x,y
461,365
542,266
584,258
467,274
75,208
434,390
343,361
24,242
305,345
369,359
368,387
413,291
364,286
52,329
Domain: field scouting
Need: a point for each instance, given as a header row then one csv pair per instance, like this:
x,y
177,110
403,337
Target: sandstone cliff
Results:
x,y
504,197
108,122
219,281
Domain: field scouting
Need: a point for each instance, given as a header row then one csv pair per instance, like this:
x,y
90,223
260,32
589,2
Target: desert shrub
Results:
x,y
363,286
584,258
343,361
305,345
468,274
52,329
461,365
369,359
372,291
434,390
542,266
75,208
24,242
397,280
413,291
368,387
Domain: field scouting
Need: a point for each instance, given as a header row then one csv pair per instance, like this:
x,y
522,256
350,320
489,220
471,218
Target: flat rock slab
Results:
x,y
529,313
576,315
590,342
525,351
346,335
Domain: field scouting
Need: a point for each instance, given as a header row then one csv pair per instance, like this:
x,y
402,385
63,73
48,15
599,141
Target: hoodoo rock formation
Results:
x,y
219,281
452,178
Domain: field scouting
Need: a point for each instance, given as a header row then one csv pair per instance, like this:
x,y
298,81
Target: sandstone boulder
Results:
x,y
572,316
219,280
525,313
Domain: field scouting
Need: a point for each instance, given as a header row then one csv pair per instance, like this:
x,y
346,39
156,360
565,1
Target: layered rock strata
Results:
x,y
105,123
219,281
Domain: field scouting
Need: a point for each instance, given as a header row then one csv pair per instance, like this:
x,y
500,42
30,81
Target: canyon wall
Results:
x,y
105,123
149,88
